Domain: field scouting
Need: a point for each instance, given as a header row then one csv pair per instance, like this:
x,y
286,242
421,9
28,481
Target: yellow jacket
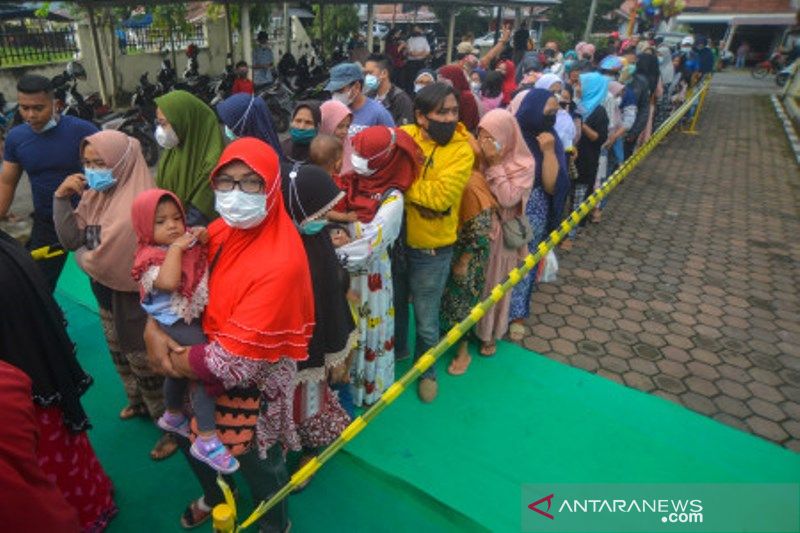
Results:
x,y
441,184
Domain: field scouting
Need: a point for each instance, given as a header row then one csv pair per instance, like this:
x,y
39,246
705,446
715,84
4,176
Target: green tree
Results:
x,y
333,24
570,16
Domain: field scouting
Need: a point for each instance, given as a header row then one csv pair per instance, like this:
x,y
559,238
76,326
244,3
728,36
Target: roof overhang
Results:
x,y
738,19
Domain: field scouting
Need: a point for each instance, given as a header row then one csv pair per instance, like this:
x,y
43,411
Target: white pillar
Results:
x,y
246,33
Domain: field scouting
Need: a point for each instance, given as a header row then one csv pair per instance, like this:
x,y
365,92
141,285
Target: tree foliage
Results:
x,y
467,18
334,24
571,15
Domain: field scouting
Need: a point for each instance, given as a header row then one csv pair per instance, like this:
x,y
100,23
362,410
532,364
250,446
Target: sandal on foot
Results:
x,y
455,369
165,446
130,411
194,516
488,350
516,332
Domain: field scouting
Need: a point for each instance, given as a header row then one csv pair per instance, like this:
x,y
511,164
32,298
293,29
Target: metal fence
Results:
x,y
151,39
25,45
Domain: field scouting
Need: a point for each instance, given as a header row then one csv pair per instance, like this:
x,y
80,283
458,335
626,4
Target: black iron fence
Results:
x,y
150,39
24,46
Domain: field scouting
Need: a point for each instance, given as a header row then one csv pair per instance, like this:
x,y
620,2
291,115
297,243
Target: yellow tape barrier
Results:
x,y
224,510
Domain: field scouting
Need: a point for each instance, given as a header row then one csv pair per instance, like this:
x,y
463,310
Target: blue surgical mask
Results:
x,y
99,179
229,134
52,123
302,137
312,227
371,82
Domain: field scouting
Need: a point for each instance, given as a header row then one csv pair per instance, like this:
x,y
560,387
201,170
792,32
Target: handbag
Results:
x,y
517,232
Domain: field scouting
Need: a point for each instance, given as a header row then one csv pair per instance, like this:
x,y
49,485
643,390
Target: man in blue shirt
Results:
x,y
262,61
347,86
47,148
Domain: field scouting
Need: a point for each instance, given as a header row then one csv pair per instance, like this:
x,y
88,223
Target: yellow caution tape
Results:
x,y
497,293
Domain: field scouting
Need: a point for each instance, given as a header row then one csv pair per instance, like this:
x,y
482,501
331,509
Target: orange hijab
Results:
x,y
260,299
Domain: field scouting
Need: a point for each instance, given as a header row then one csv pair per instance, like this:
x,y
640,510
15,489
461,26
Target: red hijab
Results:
x,y
395,159
260,300
148,253
509,83
467,106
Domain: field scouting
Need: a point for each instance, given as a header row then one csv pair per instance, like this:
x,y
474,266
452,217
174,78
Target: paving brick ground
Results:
x,y
690,287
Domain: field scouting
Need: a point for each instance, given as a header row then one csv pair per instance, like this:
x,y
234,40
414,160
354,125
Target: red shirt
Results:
x,y
243,85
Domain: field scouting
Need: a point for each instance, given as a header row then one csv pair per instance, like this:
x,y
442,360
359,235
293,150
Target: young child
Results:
x,y
326,151
172,271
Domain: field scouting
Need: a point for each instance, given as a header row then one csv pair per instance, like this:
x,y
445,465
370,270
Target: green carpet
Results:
x,y
455,465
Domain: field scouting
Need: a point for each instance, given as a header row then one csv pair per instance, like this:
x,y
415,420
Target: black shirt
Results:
x,y
589,151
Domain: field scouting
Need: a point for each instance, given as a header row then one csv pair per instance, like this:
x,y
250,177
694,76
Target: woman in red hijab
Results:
x,y
386,161
467,105
508,69
259,317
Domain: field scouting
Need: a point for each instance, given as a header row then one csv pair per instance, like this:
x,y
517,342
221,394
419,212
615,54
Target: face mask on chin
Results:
x,y
52,123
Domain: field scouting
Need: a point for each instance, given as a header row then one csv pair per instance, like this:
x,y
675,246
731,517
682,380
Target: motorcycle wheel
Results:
x,y
781,79
759,72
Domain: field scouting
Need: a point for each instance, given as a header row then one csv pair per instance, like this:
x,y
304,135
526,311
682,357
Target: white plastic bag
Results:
x,y
548,269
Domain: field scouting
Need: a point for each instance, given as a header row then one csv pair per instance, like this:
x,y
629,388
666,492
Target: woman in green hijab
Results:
x,y
189,132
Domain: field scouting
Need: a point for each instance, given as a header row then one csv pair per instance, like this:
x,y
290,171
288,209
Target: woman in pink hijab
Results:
x,y
336,119
509,168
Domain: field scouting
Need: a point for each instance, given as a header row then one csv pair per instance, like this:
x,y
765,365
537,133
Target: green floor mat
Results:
x,y
455,465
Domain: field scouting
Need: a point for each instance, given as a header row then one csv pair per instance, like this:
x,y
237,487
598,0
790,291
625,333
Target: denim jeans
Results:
x,y
427,277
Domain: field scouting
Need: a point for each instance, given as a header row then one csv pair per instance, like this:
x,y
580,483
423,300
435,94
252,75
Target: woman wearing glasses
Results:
x,y
258,322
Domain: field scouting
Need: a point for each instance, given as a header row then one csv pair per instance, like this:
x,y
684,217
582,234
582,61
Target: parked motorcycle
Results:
x,y
69,100
280,102
140,121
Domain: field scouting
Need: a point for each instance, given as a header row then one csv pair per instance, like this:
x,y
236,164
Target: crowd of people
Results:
x,y
255,291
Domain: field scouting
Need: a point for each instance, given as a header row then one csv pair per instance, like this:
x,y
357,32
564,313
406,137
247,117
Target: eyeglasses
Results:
x,y
251,185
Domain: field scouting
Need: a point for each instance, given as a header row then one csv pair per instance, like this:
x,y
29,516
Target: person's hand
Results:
x,y
490,151
607,144
353,296
72,185
460,267
185,241
351,216
159,345
180,362
339,374
200,233
546,141
506,34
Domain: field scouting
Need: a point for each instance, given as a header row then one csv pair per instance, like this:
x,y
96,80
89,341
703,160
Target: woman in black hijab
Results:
x,y
33,338
302,130
309,193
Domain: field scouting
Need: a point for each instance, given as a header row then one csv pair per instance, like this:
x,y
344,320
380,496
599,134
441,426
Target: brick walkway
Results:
x,y
689,287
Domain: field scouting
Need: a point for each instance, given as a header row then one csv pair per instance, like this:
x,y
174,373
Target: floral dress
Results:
x,y
537,209
462,293
367,259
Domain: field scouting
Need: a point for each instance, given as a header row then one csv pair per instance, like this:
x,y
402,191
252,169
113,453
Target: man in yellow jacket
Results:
x,y
432,206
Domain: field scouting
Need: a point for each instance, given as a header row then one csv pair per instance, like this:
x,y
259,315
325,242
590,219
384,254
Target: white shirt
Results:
x,y
417,45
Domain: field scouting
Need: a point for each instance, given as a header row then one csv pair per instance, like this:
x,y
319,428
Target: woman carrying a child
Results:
x,y
100,232
385,163
258,320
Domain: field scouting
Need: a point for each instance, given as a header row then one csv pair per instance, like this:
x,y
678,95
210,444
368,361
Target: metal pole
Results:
x,y
451,30
96,46
370,22
498,22
590,21
246,33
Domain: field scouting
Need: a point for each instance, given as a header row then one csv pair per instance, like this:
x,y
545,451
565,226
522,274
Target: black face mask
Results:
x,y
548,122
442,132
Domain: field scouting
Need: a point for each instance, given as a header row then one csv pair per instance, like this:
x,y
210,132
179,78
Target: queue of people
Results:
x,y
273,279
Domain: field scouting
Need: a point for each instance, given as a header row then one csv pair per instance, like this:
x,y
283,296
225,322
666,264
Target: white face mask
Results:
x,y
240,209
343,97
475,86
361,164
418,87
166,137
52,123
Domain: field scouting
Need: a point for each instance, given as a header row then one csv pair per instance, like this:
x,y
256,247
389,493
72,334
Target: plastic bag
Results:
x,y
548,268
